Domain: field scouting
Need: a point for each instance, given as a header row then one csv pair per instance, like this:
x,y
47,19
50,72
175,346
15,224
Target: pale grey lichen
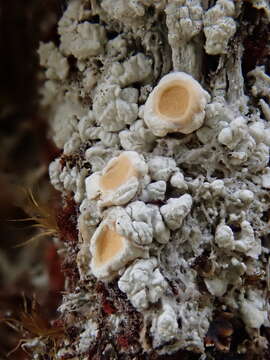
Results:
x,y
241,140
137,68
154,191
262,82
165,327
246,241
80,39
137,138
51,58
184,22
175,210
55,169
185,225
161,168
98,156
114,108
64,130
160,232
253,310
143,283
219,26
260,87
224,237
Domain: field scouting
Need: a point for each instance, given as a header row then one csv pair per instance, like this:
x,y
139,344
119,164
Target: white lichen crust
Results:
x,y
143,283
165,159
219,26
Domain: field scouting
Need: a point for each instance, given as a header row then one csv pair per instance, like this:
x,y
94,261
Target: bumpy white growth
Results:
x,y
85,229
165,327
188,14
151,220
102,108
247,243
73,144
244,197
139,211
117,47
54,61
73,301
114,108
176,104
245,142
260,133
119,181
217,187
217,286
143,283
80,39
265,109
161,168
110,249
219,27
98,156
91,212
109,139
65,120
184,22
121,10
79,193
160,232
87,129
176,210
137,138
137,68
232,135
68,178
55,169
253,310
135,223
178,181
154,191
261,87
224,237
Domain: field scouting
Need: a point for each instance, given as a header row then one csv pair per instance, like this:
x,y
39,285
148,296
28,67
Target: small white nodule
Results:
x,y
176,104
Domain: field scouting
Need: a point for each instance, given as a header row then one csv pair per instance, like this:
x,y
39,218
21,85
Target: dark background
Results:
x,y
24,157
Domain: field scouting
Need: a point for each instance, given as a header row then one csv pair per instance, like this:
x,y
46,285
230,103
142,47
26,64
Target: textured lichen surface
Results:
x,y
172,252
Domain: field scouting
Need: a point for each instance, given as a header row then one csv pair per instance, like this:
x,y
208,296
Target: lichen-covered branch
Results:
x,y
165,135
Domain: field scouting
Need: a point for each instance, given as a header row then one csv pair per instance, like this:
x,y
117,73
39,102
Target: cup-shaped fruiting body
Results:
x,y
111,250
119,181
176,104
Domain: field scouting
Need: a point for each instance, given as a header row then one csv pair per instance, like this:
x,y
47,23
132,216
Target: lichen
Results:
x,y
173,219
